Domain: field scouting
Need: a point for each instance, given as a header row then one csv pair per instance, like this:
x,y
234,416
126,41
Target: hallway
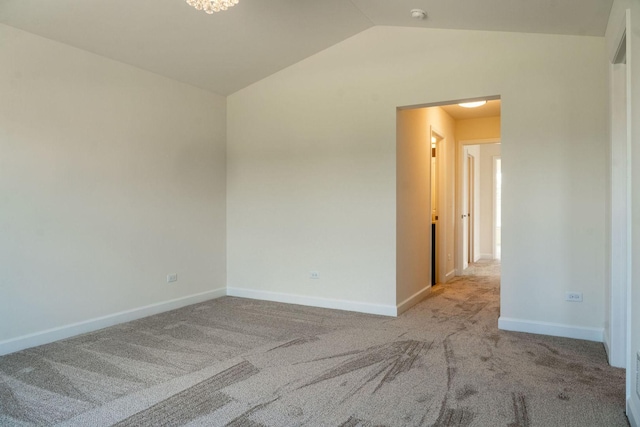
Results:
x,y
483,268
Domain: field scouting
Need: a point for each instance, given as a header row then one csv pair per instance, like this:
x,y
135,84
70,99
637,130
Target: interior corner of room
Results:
x,y
125,192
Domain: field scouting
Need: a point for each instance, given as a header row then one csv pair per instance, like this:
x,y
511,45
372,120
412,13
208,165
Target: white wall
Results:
x,y
617,22
110,179
487,154
311,168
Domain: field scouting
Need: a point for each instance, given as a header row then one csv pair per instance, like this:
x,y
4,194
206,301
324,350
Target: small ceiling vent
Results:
x,y
418,14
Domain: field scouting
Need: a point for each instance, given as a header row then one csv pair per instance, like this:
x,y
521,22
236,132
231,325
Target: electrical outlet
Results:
x,y
314,275
573,296
172,278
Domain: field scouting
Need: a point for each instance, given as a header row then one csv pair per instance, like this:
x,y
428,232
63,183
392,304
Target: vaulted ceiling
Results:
x,y
227,51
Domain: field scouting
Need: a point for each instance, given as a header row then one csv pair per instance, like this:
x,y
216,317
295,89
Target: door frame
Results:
x,y
459,233
617,331
470,199
495,206
440,170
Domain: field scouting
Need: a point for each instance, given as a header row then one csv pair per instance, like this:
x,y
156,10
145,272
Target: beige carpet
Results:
x,y
242,362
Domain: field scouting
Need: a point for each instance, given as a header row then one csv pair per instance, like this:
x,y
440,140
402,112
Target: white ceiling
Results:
x,y
227,51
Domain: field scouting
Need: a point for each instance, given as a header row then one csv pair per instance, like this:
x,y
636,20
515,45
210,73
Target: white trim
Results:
x,y
67,331
630,210
618,212
454,101
494,205
361,307
553,329
486,256
413,300
633,413
450,275
620,36
606,341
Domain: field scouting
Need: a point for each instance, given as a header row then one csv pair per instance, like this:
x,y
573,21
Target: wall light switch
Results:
x,y
172,278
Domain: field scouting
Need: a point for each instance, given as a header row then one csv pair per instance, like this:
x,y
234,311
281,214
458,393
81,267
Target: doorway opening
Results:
x,y
480,198
430,166
469,217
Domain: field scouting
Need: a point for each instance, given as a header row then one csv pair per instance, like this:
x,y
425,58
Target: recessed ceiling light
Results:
x,y
472,104
418,14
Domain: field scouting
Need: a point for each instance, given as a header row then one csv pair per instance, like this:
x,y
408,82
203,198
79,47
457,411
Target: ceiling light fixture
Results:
x,y
211,6
472,104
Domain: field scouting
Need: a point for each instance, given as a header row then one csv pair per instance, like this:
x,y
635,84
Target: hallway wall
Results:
x,y
480,128
413,229
444,125
487,154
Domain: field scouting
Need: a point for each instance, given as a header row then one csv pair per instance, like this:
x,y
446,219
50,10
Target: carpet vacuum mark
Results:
x,y
240,362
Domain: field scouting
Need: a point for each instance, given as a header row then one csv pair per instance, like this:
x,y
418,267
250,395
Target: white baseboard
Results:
x,y
486,256
606,340
384,310
67,331
633,413
553,329
413,300
450,275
